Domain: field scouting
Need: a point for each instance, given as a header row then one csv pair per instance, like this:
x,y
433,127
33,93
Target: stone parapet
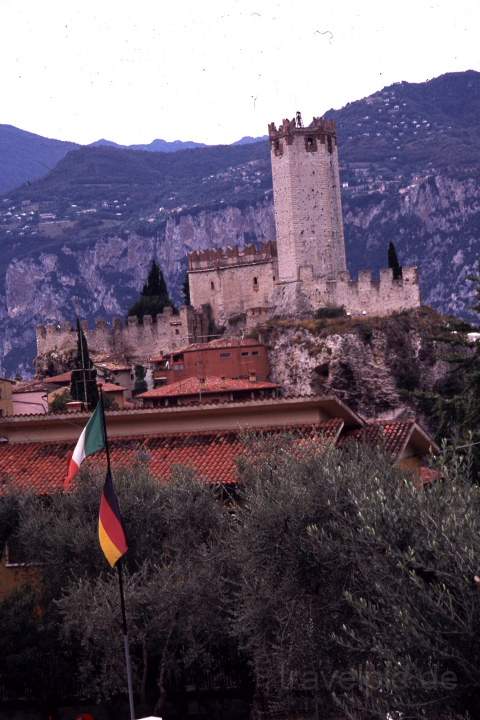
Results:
x,y
231,256
365,296
161,333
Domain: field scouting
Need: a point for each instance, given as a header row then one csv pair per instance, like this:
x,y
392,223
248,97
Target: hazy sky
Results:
x,y
214,70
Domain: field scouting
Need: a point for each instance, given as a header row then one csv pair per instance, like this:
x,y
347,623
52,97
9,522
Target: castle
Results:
x,y
305,269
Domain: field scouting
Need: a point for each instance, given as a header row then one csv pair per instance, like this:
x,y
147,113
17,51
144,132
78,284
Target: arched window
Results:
x,y
212,285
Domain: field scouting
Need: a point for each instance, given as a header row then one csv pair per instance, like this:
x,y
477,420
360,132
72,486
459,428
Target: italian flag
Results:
x,y
90,441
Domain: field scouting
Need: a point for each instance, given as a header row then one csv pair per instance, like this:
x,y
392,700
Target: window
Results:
x,y
244,352
224,354
310,144
178,357
212,285
254,352
177,331
277,148
255,283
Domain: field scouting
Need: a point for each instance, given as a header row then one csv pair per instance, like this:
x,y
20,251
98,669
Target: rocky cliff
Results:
x,y
382,368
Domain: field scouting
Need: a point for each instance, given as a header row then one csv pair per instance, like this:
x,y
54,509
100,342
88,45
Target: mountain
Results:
x,y
81,238
248,139
26,156
157,145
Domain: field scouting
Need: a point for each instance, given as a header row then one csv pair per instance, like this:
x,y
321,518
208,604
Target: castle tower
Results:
x,y
306,192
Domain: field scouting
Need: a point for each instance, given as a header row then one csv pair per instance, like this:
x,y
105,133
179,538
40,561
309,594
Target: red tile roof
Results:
x,y
110,387
193,386
392,436
65,377
41,467
229,342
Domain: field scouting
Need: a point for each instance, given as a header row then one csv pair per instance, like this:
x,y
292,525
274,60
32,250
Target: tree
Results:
x,y
140,383
173,575
356,588
83,386
154,296
186,290
393,262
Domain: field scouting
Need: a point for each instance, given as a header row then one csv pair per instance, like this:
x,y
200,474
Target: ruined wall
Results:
x,y
306,187
164,333
232,281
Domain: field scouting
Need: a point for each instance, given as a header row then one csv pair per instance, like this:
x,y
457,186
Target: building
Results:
x,y
305,269
6,407
30,398
234,358
198,390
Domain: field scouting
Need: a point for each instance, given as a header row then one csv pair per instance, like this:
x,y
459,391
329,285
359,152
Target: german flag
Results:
x,y
110,529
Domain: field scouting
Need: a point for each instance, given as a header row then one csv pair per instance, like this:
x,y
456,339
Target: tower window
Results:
x,y
255,283
310,143
277,147
212,285
329,143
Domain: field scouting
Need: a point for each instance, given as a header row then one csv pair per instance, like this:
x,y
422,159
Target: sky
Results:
x,y
214,70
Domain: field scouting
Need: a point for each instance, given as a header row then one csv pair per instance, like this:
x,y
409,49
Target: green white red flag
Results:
x,y
91,440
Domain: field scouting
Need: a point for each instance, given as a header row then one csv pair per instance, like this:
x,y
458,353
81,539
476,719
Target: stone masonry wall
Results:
x,y
364,296
233,290
164,333
308,212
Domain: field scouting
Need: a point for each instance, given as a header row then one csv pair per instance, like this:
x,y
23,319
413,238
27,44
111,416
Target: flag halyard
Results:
x,y
111,533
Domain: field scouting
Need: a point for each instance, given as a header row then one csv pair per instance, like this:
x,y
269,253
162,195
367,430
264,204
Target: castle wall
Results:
x,y
232,281
232,290
365,296
164,333
306,186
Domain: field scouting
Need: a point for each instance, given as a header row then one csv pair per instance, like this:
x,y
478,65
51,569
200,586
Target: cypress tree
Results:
x,y
393,262
186,290
83,385
154,296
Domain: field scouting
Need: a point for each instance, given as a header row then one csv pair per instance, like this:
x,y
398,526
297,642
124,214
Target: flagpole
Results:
x,y
126,646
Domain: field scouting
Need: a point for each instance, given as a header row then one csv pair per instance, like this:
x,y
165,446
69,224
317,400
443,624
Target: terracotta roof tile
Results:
x,y
193,386
392,436
41,467
229,342
65,377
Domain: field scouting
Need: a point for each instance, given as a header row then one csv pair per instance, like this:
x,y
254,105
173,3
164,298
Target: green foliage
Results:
x,y
329,312
59,402
140,383
83,386
393,263
154,296
186,290
344,585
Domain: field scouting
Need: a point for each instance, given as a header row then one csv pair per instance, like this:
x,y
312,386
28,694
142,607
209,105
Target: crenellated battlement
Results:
x,y
367,295
320,128
231,256
131,338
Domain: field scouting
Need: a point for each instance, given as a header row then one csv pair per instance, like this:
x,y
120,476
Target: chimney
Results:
x,y
252,376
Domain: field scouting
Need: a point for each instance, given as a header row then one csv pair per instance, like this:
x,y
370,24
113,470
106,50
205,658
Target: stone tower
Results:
x,y
306,192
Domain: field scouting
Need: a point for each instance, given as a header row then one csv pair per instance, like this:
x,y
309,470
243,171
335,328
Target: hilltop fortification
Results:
x,y
132,340
305,269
